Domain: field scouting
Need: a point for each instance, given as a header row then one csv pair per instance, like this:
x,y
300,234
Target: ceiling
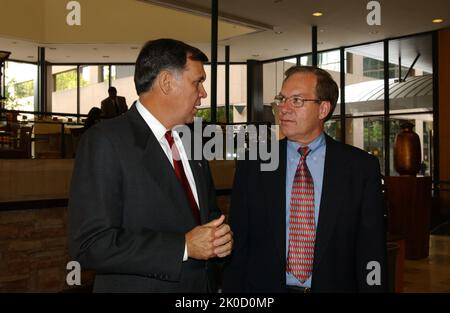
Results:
x,y
267,29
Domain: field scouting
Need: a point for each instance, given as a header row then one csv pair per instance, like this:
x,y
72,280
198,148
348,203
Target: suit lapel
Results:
x,y
158,166
333,190
275,199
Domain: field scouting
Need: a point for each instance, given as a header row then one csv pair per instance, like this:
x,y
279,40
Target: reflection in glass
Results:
x,y
367,134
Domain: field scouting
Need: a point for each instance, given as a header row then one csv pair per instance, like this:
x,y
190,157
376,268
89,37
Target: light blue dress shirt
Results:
x,y
315,162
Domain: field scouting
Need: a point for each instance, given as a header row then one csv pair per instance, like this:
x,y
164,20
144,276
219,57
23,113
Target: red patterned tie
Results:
x,y
181,175
302,230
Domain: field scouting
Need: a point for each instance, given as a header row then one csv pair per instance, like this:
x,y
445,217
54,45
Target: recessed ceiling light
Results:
x,y
14,42
30,57
317,14
321,30
255,55
134,48
277,30
67,56
52,48
286,49
105,56
437,20
94,48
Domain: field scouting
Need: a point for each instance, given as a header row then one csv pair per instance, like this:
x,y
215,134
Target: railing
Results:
x,y
55,135
44,135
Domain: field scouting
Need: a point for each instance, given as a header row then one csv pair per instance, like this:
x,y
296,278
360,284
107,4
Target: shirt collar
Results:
x,y
156,127
313,146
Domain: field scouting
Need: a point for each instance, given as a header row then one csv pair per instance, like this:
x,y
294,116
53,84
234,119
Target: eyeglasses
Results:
x,y
296,101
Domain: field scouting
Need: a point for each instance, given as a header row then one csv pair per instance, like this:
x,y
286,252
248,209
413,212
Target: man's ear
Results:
x,y
325,108
165,81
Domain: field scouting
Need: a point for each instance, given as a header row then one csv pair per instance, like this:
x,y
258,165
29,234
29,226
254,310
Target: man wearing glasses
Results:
x,y
316,223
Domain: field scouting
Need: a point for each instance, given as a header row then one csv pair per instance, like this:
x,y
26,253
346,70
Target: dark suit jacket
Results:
x,y
350,231
110,109
128,213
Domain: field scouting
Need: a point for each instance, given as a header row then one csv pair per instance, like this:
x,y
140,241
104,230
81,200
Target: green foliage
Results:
x,y
68,80
24,89
205,114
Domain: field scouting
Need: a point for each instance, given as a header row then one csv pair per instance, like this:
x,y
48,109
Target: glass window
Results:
x,y
20,84
93,87
367,134
331,62
122,77
64,94
306,60
269,83
238,93
333,128
364,95
415,92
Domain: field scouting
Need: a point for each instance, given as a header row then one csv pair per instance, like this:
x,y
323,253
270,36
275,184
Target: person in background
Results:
x,y
94,116
114,105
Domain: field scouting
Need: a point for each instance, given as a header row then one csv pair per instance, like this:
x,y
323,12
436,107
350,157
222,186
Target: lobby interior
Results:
x,y
389,58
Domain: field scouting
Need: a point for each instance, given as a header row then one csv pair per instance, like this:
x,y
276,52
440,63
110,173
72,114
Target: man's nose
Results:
x,y
284,108
203,93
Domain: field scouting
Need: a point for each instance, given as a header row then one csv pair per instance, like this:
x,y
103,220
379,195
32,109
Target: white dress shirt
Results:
x,y
159,131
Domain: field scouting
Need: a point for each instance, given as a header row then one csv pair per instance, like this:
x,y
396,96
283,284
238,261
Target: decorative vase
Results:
x,y
407,155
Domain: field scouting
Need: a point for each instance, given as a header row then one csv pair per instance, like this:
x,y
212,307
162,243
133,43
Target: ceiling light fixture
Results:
x,y
317,14
437,20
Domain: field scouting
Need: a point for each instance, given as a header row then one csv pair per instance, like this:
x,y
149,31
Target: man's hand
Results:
x,y
223,242
209,240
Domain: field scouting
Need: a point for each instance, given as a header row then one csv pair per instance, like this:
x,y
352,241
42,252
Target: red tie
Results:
x,y
302,230
181,175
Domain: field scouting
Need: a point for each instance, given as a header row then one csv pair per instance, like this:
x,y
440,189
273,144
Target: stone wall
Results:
x,y
33,251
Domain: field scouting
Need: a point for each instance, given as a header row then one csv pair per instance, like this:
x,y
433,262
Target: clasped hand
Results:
x,y
214,239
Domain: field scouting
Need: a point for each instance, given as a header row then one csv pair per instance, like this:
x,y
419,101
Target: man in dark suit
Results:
x,y
141,213
316,222
114,105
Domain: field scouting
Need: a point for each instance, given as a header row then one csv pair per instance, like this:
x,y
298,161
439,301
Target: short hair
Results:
x,y
112,89
162,54
326,87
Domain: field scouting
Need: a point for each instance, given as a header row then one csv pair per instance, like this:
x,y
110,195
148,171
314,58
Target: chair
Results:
x,y
47,140
23,149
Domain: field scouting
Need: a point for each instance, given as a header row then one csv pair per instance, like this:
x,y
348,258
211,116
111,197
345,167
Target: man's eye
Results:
x,y
296,100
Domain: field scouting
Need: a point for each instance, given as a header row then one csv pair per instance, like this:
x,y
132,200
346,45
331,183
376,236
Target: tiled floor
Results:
x,y
433,273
